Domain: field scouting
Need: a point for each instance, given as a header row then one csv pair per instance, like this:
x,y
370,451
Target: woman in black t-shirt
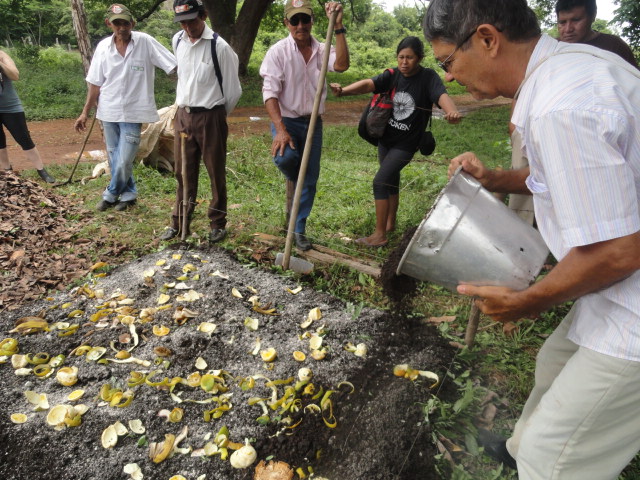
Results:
x,y
416,90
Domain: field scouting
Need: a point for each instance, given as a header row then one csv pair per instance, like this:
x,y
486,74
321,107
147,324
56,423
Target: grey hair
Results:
x,y
451,21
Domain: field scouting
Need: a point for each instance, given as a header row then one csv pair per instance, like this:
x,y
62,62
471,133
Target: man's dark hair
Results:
x,y
589,6
452,21
414,43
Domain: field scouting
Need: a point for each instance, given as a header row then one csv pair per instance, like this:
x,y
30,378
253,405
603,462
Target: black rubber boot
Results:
x,y
496,447
44,175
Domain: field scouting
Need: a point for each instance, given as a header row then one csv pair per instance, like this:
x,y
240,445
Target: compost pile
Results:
x,y
175,348
38,251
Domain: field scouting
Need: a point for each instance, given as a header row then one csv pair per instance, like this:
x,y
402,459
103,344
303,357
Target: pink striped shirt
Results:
x,y
292,81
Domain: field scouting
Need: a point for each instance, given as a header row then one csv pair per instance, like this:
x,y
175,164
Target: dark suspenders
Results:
x,y
214,56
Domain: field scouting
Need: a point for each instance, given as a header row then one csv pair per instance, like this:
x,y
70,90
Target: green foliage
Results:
x,y
59,58
368,58
628,15
160,25
381,28
409,17
29,54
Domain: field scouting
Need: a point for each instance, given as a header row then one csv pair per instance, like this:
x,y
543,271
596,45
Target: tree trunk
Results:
x,y
241,31
79,17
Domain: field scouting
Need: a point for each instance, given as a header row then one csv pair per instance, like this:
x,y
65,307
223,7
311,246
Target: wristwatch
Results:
x,y
340,30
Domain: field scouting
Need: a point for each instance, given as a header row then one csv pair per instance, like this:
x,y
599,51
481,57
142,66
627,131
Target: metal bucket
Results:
x,y
471,237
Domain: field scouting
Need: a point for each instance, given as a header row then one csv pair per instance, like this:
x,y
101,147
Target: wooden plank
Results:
x,y
325,255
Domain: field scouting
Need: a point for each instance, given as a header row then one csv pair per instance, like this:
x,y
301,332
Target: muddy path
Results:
x,y
59,144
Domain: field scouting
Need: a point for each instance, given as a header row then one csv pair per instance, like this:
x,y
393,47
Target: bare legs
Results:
x,y
394,201
386,193
4,159
33,156
386,210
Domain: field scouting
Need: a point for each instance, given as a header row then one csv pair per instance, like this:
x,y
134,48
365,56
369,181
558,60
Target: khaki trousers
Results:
x,y
582,418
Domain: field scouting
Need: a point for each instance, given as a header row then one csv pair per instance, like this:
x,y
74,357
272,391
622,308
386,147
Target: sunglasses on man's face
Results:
x,y
300,17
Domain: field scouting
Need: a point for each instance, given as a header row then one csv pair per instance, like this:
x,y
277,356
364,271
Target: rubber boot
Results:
x,y
44,175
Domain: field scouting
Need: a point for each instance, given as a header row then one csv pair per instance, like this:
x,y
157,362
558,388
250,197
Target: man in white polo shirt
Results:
x,y
121,77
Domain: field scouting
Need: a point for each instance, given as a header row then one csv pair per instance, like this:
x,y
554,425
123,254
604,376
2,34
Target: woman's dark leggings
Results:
x,y
387,180
16,123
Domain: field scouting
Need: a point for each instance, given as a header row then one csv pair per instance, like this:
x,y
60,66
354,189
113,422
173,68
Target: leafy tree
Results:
x,y
36,22
409,17
628,15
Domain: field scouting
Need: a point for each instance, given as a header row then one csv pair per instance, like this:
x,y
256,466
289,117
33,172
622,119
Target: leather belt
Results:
x,y
200,109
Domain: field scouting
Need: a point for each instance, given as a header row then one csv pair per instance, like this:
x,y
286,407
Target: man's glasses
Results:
x,y
444,65
300,17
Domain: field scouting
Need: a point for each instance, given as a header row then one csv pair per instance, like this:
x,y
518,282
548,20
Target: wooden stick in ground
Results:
x,y
84,144
308,143
185,206
472,326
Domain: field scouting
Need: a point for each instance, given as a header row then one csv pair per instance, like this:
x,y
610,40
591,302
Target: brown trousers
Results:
x,y
207,139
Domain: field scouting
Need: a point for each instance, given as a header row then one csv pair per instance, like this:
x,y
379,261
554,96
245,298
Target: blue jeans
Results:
x,y
123,140
289,163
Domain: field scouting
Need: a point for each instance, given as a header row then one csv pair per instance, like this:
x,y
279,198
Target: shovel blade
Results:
x,y
298,265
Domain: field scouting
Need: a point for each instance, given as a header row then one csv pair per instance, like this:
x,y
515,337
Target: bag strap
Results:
x,y
395,76
214,56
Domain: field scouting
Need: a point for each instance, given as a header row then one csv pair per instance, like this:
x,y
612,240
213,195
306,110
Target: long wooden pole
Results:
x,y
308,144
185,199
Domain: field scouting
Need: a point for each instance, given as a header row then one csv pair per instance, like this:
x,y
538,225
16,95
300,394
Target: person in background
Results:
x,y
291,73
13,119
577,111
208,90
417,89
575,18
121,81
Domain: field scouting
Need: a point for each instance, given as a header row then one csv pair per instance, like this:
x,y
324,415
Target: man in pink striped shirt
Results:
x,y
291,73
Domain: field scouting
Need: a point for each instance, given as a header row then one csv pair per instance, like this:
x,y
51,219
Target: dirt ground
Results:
x,y
58,142
379,434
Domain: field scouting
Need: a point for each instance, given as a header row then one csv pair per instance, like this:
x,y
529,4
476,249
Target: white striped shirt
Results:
x,y
579,116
